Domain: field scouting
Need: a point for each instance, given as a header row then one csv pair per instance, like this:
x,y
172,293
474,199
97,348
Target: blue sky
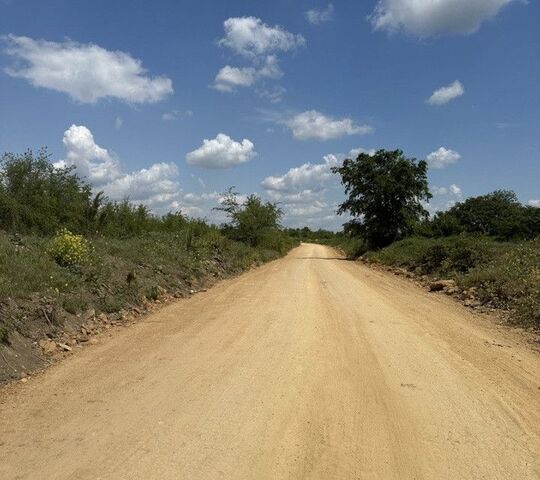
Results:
x,y
128,92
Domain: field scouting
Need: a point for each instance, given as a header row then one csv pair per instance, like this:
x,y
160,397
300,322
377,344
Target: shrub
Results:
x,y
274,239
511,280
505,274
251,220
4,334
441,256
456,256
465,254
152,292
112,304
352,247
70,250
433,258
74,304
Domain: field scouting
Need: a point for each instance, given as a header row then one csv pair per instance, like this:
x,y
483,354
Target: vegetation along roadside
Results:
x,y
74,263
485,248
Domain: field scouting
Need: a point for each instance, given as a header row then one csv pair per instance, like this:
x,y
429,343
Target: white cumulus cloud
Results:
x,y
229,78
301,183
316,16
445,94
86,72
310,193
425,18
443,198
455,190
315,125
534,203
353,154
307,177
251,37
316,208
260,44
221,152
442,157
155,186
92,162
293,198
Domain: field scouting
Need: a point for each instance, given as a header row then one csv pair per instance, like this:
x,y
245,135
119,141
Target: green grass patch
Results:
x,y
122,272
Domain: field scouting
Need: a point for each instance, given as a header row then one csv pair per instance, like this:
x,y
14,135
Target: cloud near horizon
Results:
x,y
443,198
156,186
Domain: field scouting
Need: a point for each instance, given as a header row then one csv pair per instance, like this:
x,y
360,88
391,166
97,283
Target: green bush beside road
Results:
x,y
65,250
503,274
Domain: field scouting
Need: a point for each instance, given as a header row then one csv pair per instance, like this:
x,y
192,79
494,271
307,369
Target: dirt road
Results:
x,y
309,367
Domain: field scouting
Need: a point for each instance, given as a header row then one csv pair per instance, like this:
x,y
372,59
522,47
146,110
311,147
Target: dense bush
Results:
x,y
498,214
254,222
441,256
124,272
36,197
511,280
476,242
504,274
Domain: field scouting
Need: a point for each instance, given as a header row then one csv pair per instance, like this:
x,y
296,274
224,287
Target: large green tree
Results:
x,y
384,192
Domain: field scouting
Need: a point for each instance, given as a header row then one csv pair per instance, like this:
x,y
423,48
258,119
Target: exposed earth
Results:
x,y
309,367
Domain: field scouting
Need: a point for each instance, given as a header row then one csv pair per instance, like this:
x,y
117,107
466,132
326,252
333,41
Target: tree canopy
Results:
x,y
497,214
385,193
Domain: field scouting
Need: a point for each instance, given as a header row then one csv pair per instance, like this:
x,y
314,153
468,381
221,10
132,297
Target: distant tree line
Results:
x,y
38,198
386,196
305,234
498,214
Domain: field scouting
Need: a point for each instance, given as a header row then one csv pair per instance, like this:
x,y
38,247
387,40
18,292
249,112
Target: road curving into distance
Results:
x,y
310,367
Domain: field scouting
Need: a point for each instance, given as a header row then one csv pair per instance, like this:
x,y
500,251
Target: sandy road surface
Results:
x,y
309,367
